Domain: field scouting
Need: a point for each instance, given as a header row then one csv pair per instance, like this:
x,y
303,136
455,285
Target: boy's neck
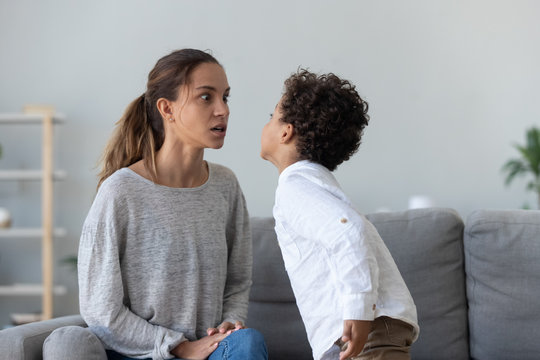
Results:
x,y
284,156
286,162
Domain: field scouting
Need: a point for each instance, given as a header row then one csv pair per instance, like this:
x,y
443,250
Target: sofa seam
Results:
x,y
471,227
454,216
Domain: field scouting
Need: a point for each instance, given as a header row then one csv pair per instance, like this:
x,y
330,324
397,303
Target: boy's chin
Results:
x,y
264,156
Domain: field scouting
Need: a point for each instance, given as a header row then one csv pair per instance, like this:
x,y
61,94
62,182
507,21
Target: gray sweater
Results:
x,y
159,265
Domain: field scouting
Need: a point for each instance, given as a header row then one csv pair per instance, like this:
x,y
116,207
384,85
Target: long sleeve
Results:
x,y
102,289
316,214
239,261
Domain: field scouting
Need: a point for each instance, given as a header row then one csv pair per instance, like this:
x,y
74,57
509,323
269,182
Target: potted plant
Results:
x,y
528,163
70,261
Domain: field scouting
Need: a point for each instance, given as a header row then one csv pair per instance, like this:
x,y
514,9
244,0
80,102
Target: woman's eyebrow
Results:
x,y
208,87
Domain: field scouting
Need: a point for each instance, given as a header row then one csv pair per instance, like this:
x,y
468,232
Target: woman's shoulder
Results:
x,y
111,199
122,181
222,173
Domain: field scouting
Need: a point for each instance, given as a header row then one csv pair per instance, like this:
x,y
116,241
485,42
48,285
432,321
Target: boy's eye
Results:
x,y
271,115
226,99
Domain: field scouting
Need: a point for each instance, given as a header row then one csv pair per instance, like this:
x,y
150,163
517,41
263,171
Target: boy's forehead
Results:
x,y
279,102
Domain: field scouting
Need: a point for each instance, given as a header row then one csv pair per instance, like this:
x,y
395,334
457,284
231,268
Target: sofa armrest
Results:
x,y
25,342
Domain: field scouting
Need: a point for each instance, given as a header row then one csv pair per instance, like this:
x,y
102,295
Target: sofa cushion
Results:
x,y
272,306
270,280
25,342
502,253
73,342
427,246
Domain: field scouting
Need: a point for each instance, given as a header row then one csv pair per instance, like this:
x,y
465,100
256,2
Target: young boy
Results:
x,y
352,298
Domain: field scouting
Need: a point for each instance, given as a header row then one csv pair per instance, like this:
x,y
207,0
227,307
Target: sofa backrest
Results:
x,y
272,306
427,245
502,253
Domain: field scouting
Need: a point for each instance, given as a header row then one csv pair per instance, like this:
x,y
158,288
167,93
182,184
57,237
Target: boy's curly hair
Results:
x,y
328,116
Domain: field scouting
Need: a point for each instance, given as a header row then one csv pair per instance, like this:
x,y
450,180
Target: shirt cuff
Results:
x,y
360,307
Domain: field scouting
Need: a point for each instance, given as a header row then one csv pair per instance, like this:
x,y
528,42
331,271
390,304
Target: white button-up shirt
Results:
x,y
338,265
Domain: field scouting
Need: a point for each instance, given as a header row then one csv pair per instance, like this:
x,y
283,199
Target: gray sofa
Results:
x,y
476,286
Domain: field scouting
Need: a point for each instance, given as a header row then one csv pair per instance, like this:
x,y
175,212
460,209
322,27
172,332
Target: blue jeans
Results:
x,y
240,345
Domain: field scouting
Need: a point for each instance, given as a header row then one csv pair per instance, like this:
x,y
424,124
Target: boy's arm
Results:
x,y
316,214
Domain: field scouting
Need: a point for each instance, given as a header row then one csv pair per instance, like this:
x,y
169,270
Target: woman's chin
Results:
x,y
216,146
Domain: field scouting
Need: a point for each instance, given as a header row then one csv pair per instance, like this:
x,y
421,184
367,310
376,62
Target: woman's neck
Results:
x,y
181,168
177,167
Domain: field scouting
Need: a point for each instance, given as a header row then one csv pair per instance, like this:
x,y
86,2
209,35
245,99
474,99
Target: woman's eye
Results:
x,y
205,97
226,99
271,115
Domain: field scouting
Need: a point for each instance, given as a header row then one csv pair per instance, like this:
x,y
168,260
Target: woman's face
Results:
x,y
201,112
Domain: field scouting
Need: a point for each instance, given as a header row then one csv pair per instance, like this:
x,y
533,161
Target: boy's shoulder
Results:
x,y
308,180
304,173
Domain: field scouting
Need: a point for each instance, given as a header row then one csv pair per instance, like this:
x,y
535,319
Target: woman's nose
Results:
x,y
222,109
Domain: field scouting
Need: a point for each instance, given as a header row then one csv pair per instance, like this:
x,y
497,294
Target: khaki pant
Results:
x,y
389,339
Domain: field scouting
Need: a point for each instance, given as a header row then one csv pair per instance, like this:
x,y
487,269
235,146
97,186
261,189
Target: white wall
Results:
x,y
451,85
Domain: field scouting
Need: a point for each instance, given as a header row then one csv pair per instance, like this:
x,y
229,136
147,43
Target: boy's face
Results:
x,y
271,135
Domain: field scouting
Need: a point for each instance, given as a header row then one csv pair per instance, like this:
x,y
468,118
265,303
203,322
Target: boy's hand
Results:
x,y
225,327
199,349
355,332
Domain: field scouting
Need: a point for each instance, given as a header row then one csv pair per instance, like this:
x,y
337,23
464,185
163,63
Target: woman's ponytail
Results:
x,y
133,139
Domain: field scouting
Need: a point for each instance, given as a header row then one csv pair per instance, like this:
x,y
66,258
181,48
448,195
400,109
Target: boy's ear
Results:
x,y
287,133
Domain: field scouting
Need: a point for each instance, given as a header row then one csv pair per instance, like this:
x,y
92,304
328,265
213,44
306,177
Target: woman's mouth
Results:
x,y
219,130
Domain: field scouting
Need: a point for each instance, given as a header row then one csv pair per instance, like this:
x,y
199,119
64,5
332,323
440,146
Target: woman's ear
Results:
x,y
164,107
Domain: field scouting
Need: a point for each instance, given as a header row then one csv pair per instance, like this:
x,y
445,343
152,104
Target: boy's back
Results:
x,y
338,265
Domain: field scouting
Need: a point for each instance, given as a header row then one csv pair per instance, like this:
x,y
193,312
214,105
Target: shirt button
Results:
x,y
374,307
343,220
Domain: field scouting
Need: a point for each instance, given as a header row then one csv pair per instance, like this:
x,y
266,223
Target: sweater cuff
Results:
x,y
169,340
360,307
233,320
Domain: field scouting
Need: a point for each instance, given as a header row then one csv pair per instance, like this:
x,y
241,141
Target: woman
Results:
x,y
165,252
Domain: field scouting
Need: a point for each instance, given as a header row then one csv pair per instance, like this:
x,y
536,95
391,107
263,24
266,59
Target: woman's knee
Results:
x,y
73,342
254,335
253,341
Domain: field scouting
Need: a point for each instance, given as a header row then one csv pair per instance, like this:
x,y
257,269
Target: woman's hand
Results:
x,y
225,328
199,349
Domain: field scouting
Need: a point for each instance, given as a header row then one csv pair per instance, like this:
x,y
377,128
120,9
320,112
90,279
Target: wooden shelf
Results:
x,y
29,233
44,116
28,290
29,175
13,119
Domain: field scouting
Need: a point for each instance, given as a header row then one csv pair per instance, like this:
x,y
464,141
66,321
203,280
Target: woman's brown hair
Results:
x,y
139,133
